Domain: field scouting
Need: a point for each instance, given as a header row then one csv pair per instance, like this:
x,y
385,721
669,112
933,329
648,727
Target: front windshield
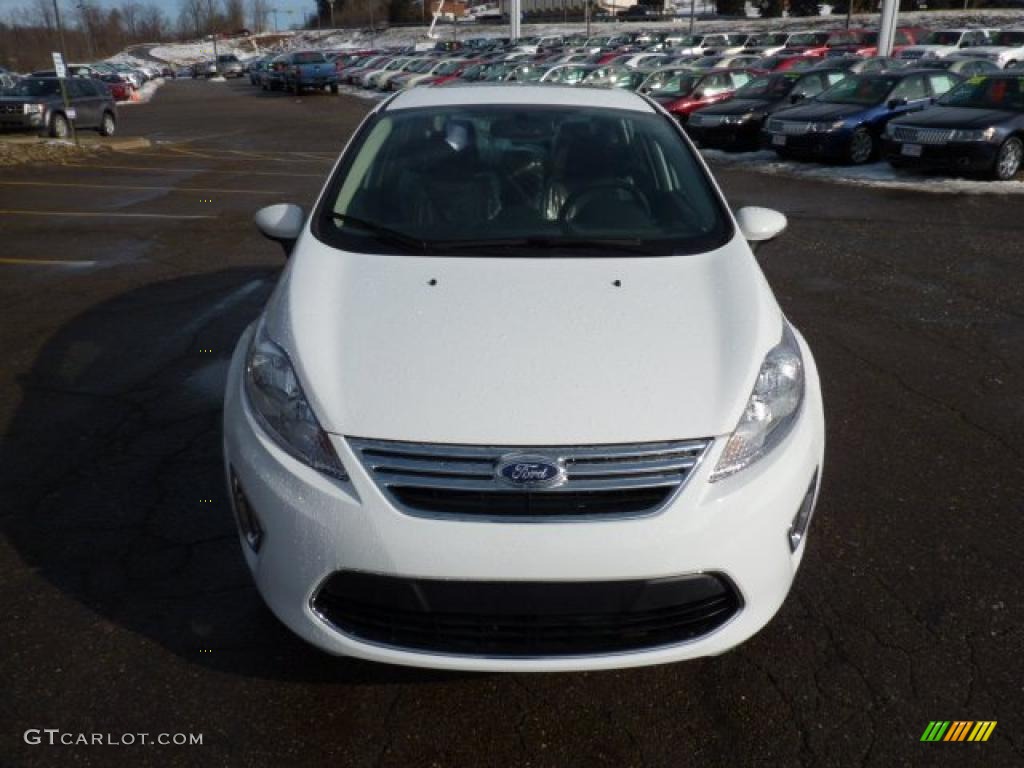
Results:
x,y
35,88
770,87
508,180
1010,39
862,91
809,38
1005,93
943,38
309,58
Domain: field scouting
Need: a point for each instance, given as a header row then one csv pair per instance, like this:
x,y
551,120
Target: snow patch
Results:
x,y
145,93
880,175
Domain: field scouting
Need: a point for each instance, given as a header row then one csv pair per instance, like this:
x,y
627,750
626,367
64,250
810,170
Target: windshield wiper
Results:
x,y
545,243
386,234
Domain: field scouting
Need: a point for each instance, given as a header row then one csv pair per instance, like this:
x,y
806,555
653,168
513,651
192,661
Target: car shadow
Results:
x,y
112,478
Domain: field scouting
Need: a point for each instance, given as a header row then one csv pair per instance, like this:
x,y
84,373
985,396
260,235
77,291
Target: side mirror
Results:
x,y
281,223
760,224
897,103
793,99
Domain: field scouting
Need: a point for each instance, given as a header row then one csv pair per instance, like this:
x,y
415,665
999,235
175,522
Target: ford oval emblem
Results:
x,y
530,471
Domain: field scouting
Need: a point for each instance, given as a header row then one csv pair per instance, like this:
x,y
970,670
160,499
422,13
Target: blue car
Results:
x,y
845,123
309,69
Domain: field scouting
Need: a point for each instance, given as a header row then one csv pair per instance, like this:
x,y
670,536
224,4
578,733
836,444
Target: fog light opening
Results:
x,y
798,528
248,523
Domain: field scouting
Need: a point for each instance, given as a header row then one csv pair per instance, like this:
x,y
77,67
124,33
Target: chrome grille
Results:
x,y
460,481
922,135
788,127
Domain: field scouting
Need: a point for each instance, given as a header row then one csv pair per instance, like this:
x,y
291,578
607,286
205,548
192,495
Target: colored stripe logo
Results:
x,y
959,730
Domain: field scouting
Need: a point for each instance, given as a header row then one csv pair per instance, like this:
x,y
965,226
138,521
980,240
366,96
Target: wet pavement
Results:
x,y
125,281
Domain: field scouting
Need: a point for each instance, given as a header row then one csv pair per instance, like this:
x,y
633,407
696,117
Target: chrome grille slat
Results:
x,y
923,135
643,476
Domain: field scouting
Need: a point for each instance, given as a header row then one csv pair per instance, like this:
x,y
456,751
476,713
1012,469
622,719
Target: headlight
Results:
x,y
737,119
771,410
974,135
826,127
281,408
33,109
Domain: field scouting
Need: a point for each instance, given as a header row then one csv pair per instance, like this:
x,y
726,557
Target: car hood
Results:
x,y
957,117
525,351
736,107
820,111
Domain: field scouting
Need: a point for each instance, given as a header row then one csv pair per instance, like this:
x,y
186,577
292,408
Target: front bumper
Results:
x,y
743,136
22,122
313,527
833,145
967,156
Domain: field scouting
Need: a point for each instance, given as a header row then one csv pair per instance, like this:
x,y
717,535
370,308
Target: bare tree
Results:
x,y
259,11
234,15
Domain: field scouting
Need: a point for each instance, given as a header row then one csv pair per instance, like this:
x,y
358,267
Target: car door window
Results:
x,y
739,79
911,89
940,83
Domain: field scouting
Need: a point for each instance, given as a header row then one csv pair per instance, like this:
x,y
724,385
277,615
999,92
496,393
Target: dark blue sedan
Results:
x,y
845,123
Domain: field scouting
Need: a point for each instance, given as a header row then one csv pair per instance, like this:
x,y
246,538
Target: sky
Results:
x,y
171,8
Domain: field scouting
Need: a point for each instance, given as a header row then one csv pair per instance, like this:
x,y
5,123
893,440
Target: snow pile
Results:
x,y
880,175
259,45
145,93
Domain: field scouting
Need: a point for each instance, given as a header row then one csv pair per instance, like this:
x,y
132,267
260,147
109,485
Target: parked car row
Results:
x,y
820,95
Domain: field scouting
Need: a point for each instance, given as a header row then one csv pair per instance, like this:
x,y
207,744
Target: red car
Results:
x,y
784,63
120,88
868,45
820,43
455,74
688,91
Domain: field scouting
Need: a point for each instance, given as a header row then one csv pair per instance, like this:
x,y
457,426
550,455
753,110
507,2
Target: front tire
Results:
x,y
334,88
1008,159
862,147
60,128
108,125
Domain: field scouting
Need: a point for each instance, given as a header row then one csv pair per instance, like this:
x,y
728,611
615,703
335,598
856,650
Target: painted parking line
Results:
x,y
136,187
157,169
47,262
106,215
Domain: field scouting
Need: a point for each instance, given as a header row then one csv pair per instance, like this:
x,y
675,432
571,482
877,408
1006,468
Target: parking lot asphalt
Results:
x,y
125,281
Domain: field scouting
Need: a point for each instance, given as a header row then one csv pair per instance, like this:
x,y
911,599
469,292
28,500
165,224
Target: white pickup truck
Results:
x,y
945,42
1006,50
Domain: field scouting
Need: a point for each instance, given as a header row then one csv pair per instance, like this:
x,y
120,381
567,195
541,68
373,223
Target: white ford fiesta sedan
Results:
x,y
522,398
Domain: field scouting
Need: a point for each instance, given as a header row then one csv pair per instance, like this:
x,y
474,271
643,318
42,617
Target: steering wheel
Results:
x,y
579,200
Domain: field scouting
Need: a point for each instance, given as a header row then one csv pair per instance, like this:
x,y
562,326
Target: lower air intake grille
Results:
x,y
525,619
606,481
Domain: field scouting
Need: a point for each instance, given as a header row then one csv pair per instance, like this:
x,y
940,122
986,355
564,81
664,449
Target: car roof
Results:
x,y
516,94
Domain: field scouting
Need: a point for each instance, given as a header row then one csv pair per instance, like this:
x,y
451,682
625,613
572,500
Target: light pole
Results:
x,y
586,13
331,2
693,11
64,55
274,11
373,30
